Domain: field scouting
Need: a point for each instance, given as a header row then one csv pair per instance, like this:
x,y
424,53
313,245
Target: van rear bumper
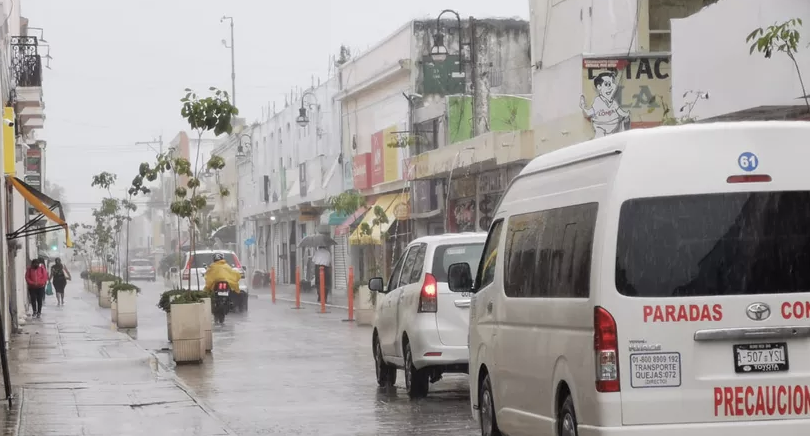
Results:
x,y
793,427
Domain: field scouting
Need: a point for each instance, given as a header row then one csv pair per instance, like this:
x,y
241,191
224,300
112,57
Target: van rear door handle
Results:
x,y
489,307
462,303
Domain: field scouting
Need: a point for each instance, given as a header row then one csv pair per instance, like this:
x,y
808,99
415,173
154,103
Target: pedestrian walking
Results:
x,y
36,277
322,258
59,277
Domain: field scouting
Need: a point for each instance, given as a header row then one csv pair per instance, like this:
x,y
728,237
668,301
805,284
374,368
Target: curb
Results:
x,y
311,303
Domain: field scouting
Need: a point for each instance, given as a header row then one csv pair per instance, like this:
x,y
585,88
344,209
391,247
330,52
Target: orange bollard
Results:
x,y
351,293
273,284
298,287
323,292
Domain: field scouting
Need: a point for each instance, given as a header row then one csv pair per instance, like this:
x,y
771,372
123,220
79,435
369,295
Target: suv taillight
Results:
x,y
606,347
427,298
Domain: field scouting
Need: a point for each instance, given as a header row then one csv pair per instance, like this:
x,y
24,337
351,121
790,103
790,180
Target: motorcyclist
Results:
x,y
220,271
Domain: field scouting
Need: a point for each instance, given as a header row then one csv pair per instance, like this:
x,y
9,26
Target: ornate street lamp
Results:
x,y
240,149
439,51
303,119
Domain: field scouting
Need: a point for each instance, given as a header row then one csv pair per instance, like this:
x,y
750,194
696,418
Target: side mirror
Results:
x,y
459,277
376,284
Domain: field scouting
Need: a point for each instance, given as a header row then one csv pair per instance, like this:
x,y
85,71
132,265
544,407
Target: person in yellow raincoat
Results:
x,y
220,271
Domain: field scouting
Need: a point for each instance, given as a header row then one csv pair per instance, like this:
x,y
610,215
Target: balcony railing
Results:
x,y
26,64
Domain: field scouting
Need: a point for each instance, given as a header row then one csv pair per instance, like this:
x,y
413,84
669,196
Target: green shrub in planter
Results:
x,y
166,298
120,286
99,277
188,297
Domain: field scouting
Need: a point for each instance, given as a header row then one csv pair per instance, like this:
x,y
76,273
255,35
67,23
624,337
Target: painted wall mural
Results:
x,y
625,93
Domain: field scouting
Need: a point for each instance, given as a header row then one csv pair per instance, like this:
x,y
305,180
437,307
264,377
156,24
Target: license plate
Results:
x,y
222,293
771,357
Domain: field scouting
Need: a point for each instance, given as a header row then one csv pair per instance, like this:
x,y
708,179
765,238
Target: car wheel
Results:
x,y
416,380
386,374
568,419
486,409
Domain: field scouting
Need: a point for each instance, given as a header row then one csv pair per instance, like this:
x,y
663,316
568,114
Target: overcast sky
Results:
x,y
119,67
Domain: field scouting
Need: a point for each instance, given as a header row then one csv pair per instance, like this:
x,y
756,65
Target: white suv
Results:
x,y
421,326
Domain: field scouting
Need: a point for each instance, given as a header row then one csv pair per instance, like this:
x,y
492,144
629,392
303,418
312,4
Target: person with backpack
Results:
x,y
36,277
59,277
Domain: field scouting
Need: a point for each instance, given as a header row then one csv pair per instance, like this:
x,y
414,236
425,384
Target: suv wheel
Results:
x,y
568,419
486,409
386,374
416,380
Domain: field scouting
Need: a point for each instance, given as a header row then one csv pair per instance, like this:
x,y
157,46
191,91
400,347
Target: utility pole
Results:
x,y
233,61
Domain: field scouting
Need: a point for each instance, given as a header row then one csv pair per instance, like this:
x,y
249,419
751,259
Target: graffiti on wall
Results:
x,y
625,93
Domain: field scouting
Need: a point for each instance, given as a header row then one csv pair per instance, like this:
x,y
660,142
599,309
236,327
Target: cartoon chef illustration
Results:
x,y
605,114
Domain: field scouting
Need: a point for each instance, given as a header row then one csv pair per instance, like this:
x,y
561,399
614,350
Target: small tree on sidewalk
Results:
x,y
782,38
203,114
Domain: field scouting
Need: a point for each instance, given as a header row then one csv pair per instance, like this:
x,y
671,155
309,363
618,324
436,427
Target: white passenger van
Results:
x,y
652,282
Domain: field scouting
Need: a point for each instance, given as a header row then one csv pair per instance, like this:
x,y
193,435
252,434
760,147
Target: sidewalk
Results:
x,y
73,374
338,299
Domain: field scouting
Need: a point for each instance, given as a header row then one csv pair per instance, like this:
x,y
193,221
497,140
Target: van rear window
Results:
x,y
714,244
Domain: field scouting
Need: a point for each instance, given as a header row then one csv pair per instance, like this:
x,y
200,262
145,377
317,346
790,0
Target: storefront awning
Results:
x,y
47,208
344,227
393,205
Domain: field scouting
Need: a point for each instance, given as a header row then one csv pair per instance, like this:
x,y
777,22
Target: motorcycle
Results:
x,y
222,301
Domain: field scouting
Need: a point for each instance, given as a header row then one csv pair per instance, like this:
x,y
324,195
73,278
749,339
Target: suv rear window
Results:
x,y
140,263
446,255
200,259
714,244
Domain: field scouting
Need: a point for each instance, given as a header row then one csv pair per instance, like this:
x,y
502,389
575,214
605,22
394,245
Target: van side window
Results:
x,y
393,281
548,253
520,264
410,264
486,268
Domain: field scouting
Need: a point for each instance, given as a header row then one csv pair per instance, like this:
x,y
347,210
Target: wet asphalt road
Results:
x,y
280,371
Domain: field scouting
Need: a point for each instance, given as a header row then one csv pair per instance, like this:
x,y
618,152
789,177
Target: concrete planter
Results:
x,y
207,323
364,314
104,295
187,342
127,309
169,325
114,312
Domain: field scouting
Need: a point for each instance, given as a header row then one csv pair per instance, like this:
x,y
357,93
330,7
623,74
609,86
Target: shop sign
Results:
x,y
361,171
402,212
462,188
625,93
492,181
377,161
302,179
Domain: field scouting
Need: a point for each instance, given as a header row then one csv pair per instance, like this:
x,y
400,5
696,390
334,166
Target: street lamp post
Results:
x,y
233,60
439,53
303,119
241,154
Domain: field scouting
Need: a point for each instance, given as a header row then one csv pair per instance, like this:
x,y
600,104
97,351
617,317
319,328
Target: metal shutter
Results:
x,y
340,262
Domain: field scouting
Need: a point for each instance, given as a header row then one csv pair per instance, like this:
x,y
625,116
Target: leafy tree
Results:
x,y
203,114
780,38
57,192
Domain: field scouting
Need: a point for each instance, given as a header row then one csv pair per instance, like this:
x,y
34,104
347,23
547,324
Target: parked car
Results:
x,y
142,269
421,326
650,282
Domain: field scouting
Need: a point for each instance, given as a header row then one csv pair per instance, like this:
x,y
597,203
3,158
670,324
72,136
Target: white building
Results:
x,y
287,174
716,63
577,44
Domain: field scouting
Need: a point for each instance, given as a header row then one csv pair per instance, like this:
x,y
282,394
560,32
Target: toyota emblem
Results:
x,y
758,311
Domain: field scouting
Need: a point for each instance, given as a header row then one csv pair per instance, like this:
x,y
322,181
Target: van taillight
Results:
x,y
427,298
606,346
749,178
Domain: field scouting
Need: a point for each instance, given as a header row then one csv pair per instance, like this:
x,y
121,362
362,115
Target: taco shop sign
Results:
x,y
624,93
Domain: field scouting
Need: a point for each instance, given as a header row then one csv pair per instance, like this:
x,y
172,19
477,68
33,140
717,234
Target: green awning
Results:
x,y
336,219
